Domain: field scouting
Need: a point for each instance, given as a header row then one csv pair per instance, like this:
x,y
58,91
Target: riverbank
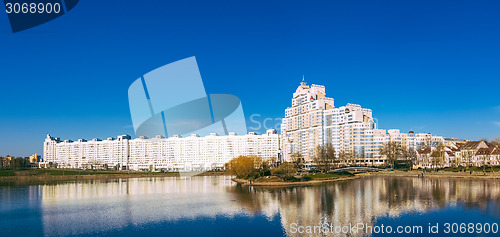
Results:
x,y
52,176
214,173
275,182
438,174
278,182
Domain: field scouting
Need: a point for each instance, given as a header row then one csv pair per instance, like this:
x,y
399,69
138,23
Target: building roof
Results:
x,y
486,151
425,151
474,145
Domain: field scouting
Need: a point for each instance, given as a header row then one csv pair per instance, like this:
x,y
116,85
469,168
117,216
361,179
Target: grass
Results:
x,y
5,173
214,173
304,178
46,176
466,169
326,176
63,172
478,169
268,179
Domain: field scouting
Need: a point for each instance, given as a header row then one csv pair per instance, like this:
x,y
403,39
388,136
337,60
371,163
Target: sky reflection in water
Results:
x,y
215,206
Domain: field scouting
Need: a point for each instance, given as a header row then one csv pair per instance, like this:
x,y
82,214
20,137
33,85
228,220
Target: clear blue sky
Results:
x,y
430,66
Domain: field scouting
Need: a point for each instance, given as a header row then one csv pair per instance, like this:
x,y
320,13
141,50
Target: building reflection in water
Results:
x,y
95,206
365,200
84,207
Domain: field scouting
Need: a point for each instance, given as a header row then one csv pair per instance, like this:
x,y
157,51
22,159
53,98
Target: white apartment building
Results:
x,y
351,129
304,124
160,153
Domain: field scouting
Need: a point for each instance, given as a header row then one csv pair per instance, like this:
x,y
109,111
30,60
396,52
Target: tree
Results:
x,y
455,162
349,157
438,155
412,156
496,142
342,156
325,157
320,157
330,156
297,160
284,169
392,151
245,166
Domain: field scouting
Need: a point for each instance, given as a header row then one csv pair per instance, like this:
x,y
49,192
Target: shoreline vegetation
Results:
x,y
281,176
253,171
436,174
53,176
273,182
276,182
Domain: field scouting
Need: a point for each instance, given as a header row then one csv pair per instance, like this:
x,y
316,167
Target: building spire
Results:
x,y
303,83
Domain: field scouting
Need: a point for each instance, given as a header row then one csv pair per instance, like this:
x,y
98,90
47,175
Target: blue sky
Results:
x,y
422,65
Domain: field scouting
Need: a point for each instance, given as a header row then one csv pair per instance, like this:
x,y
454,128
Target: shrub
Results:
x,y
285,169
290,178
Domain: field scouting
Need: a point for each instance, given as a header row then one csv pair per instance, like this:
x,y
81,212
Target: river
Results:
x,y
216,206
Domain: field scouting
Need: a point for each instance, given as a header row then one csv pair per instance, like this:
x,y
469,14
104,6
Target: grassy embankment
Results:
x,y
297,180
214,173
471,172
51,176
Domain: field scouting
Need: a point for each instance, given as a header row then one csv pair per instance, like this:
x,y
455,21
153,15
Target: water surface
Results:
x,y
216,206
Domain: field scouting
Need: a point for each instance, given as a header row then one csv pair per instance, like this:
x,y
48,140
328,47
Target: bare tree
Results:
x,y
438,156
320,157
392,151
330,156
297,160
349,156
325,157
412,156
342,156
496,142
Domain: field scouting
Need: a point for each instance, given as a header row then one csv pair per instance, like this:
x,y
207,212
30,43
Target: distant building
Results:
x,y
460,154
5,162
160,153
34,158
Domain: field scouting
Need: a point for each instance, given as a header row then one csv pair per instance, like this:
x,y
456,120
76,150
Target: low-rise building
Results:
x,y
34,158
460,154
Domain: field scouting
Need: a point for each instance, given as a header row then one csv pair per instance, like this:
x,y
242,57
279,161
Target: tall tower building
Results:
x,y
313,120
303,127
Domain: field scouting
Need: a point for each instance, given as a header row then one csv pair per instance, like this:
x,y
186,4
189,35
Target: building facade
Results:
x,y
311,120
314,120
155,154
